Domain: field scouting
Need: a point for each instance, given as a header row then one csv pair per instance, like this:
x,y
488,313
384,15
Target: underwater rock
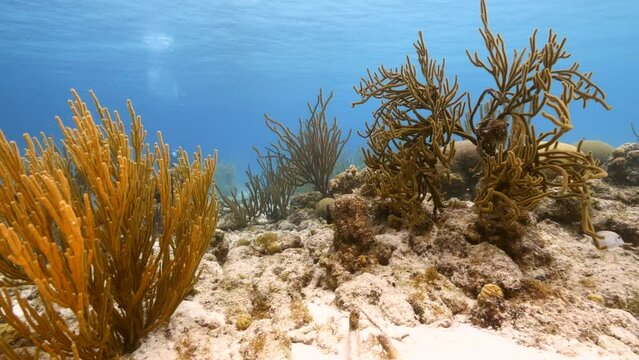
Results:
x,y
243,262
354,237
623,167
433,297
324,209
225,222
264,287
466,158
305,200
561,146
346,181
289,240
428,312
616,216
355,246
464,177
385,245
270,243
600,150
484,264
334,272
377,298
276,292
561,210
263,340
211,274
584,270
319,242
311,224
352,220
453,237
219,246
298,216
455,185
529,251
285,225
556,285
286,272
194,311
628,195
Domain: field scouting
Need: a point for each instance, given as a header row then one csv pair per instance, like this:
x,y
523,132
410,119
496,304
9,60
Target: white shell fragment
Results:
x,y
610,239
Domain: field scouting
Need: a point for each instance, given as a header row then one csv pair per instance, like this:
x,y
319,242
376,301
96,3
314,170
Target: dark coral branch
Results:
x,y
312,152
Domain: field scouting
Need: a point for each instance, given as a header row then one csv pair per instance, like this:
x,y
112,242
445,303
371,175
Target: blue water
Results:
x,y
205,72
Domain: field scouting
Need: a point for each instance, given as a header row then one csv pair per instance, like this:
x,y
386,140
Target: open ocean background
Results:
x,y
205,72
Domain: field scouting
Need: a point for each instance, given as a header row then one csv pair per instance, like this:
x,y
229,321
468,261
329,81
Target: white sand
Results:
x,y
461,342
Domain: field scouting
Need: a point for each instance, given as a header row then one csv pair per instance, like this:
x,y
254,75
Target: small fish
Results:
x,y
610,240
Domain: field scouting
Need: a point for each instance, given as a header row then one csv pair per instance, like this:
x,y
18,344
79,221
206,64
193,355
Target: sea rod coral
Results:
x,y
411,139
109,261
311,153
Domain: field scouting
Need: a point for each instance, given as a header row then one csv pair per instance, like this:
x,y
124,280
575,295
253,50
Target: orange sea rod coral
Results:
x,y
106,232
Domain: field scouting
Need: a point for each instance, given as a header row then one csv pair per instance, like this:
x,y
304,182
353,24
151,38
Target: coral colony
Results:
x,y
110,230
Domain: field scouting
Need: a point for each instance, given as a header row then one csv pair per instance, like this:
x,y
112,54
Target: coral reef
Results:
x,y
550,289
312,152
219,246
104,246
623,167
109,261
565,296
267,243
410,140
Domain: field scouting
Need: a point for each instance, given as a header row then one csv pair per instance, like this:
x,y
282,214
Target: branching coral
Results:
x,y
410,139
246,206
312,152
276,185
112,261
634,131
519,165
412,132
